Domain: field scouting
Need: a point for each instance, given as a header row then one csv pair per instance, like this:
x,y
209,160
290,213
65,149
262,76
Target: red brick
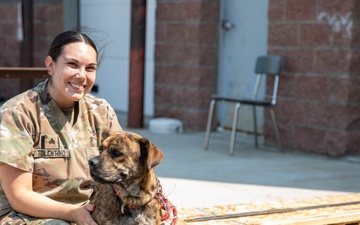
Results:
x,y
166,54
193,97
196,55
283,35
299,61
207,33
336,142
342,143
8,30
286,133
352,147
287,86
332,61
196,77
337,6
45,11
314,88
276,10
310,139
9,11
354,63
186,33
336,116
345,89
295,112
300,10
315,35
198,10
166,75
161,32
194,120
164,94
166,11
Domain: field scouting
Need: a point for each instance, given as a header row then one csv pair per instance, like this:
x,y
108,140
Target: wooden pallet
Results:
x,y
339,210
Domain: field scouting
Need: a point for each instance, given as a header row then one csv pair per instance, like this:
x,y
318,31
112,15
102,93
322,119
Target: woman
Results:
x,y
47,135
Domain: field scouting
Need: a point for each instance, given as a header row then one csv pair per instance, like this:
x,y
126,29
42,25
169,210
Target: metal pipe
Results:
x,y
27,47
137,64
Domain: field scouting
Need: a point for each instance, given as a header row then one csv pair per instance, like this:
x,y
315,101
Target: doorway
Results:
x,y
243,37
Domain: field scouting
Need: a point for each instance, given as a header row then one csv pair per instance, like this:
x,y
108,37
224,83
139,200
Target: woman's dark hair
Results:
x,y
65,38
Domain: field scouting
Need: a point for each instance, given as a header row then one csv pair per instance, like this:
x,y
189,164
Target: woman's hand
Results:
x,y
17,185
82,215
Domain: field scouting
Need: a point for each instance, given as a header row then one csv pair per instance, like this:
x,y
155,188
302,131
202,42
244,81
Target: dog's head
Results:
x,y
124,157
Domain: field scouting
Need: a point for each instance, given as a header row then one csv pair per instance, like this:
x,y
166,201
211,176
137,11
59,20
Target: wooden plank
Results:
x,y
270,211
339,210
23,72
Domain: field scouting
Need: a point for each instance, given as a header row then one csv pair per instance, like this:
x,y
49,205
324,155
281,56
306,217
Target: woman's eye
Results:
x,y
91,69
72,64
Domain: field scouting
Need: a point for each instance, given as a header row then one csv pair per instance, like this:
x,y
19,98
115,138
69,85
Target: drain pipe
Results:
x,y
27,45
137,64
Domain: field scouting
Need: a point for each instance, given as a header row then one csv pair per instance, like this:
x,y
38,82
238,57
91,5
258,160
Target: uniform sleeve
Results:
x,y
16,143
113,123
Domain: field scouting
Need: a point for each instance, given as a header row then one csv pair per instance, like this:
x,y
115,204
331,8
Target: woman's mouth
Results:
x,y
77,86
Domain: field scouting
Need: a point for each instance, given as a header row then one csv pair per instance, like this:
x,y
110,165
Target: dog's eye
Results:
x,y
114,152
101,148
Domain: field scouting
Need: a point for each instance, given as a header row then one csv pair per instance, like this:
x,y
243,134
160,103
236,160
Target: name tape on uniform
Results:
x,y
51,153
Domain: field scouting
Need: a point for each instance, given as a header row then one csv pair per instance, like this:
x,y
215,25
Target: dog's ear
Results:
x,y
106,133
150,153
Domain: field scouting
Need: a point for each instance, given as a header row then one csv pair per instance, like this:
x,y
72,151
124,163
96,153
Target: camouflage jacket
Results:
x,y
35,136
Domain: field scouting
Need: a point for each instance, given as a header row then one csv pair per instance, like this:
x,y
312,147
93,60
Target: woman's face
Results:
x,y
73,74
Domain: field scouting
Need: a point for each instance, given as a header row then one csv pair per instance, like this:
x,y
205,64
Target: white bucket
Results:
x,y
165,126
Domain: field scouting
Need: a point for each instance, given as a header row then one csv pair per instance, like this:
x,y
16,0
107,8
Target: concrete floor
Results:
x,y
193,177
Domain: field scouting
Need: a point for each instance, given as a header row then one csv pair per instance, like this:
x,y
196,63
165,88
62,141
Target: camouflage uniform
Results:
x,y
35,136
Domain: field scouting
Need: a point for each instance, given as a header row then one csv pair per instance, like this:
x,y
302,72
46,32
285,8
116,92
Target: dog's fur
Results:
x,y
126,160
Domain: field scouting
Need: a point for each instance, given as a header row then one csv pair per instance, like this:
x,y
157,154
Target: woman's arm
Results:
x,y
17,185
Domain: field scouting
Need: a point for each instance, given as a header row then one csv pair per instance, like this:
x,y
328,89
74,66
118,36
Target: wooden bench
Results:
x,y
334,210
26,75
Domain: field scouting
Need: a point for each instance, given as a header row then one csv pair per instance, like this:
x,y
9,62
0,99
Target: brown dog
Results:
x,y
129,190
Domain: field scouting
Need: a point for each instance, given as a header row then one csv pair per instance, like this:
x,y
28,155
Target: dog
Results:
x,y
129,192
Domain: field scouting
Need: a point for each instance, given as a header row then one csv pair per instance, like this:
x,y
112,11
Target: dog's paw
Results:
x,y
88,184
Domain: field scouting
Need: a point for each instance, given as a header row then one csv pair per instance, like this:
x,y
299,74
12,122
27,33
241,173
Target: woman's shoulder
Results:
x,y
25,99
93,101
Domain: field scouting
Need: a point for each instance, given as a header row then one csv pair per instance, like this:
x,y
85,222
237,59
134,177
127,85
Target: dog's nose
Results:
x,y
93,162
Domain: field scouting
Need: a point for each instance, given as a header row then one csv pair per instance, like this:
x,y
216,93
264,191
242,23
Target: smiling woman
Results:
x,y
47,136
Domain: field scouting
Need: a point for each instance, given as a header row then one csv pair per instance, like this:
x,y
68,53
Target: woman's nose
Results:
x,y
81,73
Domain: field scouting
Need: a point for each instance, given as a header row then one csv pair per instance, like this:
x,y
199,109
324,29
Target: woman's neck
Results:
x,y
62,105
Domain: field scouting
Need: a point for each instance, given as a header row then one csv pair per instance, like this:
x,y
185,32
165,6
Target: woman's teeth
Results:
x,y
76,86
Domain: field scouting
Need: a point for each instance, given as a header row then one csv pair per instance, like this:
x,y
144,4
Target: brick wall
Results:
x,y
185,59
48,21
319,94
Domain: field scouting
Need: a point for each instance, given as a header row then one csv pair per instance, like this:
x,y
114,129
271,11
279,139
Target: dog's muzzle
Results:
x,y
104,176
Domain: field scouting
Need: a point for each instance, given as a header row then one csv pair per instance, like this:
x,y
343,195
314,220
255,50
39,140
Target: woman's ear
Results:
x,y
49,63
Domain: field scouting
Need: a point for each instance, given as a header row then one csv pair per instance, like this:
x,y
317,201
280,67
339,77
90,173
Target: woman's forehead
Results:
x,y
79,51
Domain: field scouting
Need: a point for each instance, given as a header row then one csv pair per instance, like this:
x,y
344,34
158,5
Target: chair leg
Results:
x,y
276,127
208,126
234,125
255,127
